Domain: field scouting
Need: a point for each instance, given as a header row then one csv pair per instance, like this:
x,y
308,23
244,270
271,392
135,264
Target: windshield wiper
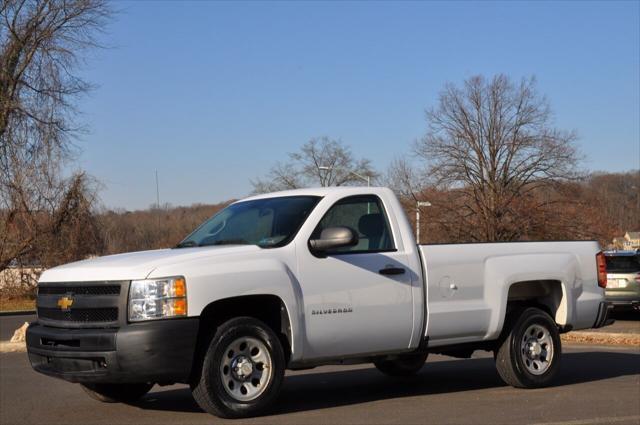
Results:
x,y
226,242
186,244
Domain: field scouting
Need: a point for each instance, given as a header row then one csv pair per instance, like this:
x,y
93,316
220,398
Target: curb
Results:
x,y
601,338
13,347
17,313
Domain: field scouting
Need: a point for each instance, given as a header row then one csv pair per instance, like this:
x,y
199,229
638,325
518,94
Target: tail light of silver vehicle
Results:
x,y
602,270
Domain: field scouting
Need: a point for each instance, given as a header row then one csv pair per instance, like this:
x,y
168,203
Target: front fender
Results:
x,y
235,277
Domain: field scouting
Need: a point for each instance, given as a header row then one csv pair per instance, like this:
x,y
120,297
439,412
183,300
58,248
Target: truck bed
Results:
x,y
467,285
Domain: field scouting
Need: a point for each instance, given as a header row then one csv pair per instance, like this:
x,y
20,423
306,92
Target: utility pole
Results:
x,y
418,205
157,204
157,192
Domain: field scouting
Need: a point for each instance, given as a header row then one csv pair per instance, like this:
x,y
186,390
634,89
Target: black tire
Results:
x,y
524,359
117,393
404,365
213,393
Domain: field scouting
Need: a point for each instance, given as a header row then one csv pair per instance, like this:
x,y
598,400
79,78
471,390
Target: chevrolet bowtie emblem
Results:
x,y
64,303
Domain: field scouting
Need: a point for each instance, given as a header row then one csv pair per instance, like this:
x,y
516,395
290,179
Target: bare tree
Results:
x,y
41,45
492,145
73,230
405,179
125,231
319,162
618,198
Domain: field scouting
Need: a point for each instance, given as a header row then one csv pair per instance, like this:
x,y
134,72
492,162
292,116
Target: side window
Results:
x,y
364,215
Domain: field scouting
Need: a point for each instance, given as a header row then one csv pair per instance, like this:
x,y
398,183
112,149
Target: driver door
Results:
x,y
357,300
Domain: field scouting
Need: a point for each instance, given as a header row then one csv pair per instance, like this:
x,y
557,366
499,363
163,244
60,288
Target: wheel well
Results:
x,y
269,309
544,294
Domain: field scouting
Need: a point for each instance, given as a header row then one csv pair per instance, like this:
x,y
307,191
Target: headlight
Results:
x,y
157,298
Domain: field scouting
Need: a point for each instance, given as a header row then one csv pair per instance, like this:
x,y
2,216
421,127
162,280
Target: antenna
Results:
x,y
157,204
157,192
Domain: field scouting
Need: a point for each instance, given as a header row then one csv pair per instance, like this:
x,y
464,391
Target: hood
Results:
x,y
134,265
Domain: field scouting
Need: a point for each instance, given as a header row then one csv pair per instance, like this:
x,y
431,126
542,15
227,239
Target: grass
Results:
x,y
17,304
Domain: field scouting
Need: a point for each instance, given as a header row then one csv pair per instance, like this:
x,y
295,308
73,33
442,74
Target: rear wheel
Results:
x,y
117,393
404,365
242,370
529,355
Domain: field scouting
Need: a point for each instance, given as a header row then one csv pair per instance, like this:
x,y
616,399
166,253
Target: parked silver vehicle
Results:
x,y
623,278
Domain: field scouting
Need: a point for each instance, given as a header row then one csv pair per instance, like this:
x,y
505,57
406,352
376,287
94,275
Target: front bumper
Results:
x,y
604,315
156,351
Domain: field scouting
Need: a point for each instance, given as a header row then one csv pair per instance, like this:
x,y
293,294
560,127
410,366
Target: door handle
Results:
x,y
392,271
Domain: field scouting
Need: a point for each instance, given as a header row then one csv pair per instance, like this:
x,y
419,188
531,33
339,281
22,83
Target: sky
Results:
x,y
211,95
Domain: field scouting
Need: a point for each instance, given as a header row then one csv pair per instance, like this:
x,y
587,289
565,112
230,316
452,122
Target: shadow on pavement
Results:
x,y
312,391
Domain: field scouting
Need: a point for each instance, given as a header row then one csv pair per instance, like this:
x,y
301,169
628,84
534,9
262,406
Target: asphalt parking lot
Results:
x,y
8,324
596,385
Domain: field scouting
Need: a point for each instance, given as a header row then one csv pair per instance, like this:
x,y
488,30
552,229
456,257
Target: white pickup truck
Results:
x,y
302,278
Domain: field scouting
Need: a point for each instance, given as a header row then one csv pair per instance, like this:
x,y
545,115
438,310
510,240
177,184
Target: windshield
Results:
x,y
268,223
623,263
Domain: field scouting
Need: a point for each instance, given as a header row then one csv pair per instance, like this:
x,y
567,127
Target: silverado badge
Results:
x,y
346,309
65,303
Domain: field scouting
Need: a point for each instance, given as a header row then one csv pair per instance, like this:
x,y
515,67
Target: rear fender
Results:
x,y
502,272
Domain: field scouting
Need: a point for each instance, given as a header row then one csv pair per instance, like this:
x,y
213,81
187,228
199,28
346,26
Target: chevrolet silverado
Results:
x,y
302,278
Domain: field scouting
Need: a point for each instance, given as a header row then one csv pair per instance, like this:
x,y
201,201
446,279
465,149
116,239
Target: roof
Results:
x,y
319,191
634,235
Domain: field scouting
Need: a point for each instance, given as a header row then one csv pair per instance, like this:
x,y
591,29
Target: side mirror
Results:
x,y
334,237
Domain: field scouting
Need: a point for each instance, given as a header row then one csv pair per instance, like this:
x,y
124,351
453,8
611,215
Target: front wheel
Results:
x,y
529,355
403,365
242,370
117,393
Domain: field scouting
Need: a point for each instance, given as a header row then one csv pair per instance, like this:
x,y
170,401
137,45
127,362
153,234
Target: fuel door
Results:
x,y
447,287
